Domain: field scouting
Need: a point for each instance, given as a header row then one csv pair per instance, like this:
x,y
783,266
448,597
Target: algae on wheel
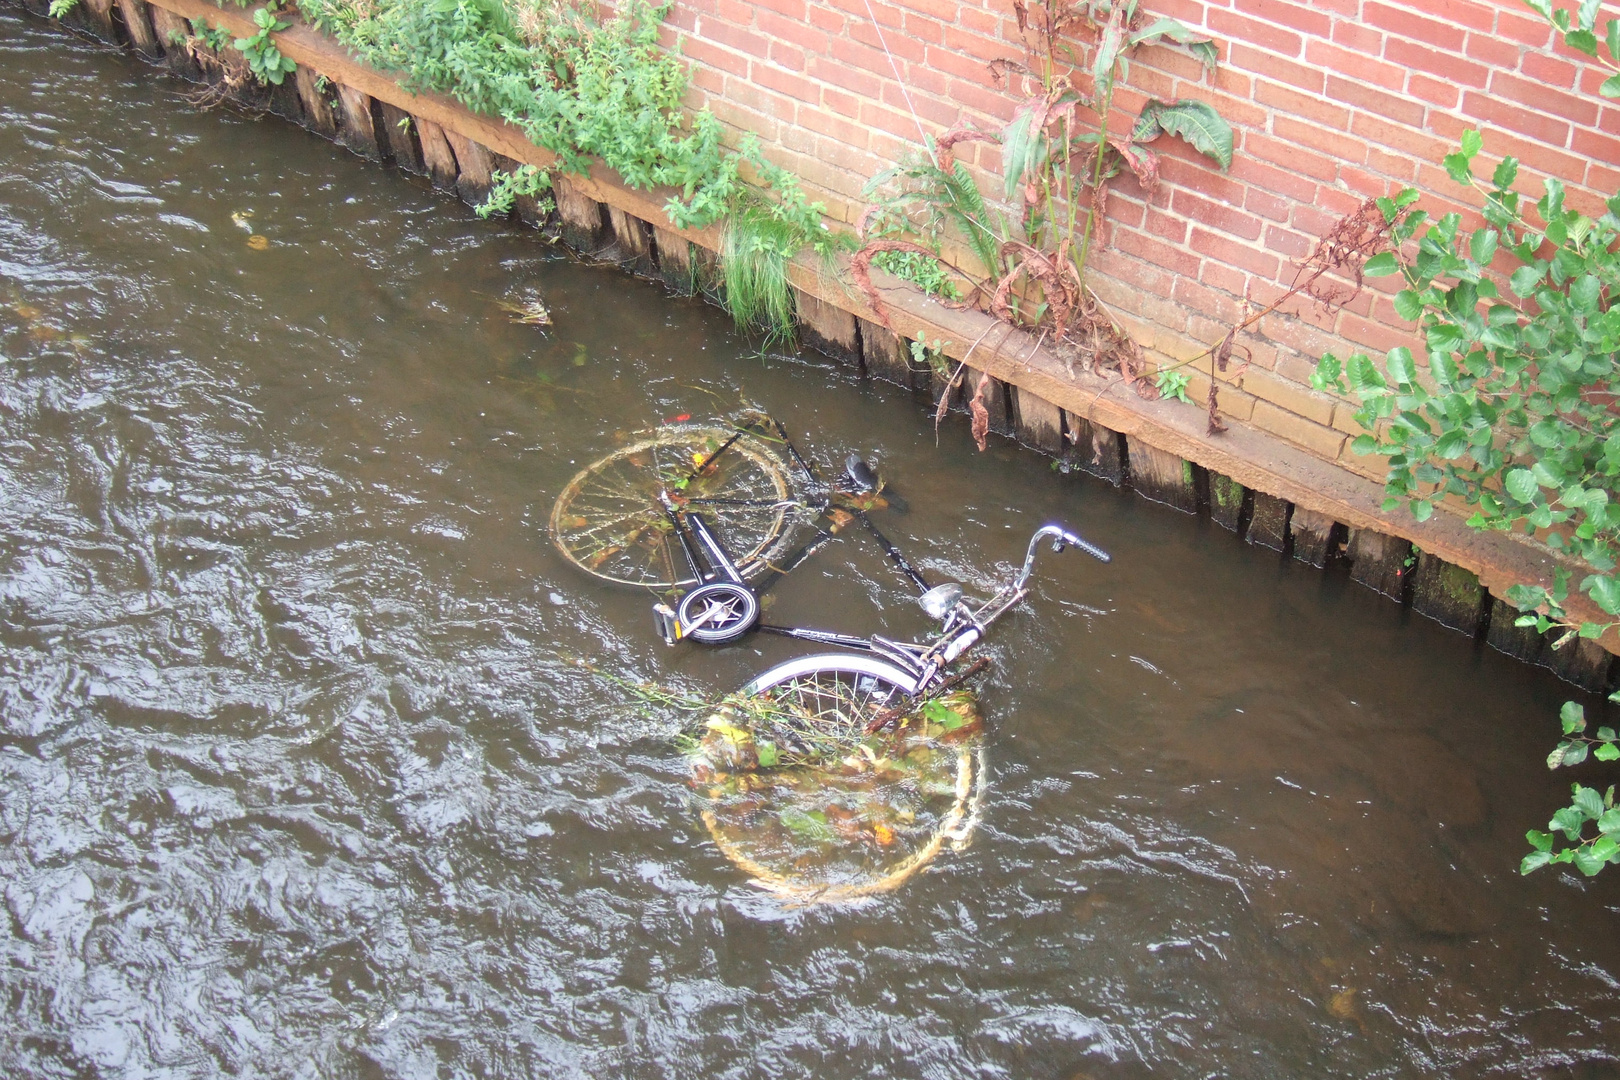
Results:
x,y
813,809
610,520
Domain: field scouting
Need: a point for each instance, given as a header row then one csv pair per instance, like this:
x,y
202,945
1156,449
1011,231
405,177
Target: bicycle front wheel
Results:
x,y
610,522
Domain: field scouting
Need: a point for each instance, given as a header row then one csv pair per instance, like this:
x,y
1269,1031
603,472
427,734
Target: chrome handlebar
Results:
x,y
1061,538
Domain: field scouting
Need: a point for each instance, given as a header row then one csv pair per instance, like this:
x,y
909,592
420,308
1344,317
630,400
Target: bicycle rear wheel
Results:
x,y
610,523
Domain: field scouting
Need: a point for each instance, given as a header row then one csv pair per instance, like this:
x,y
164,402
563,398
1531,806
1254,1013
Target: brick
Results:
x,y
1538,97
701,51
1329,142
1524,28
1411,24
1538,126
1233,26
1553,71
1493,51
1309,106
1216,215
1391,106
1319,439
1295,399
1290,157
1296,16
1353,34
733,37
1387,133
1356,65
1245,57
1233,253
1174,259
1435,91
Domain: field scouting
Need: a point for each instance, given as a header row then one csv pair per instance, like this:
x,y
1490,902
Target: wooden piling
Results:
x,y
993,394
1163,477
1520,642
633,237
581,215
1228,500
1315,537
1581,661
138,24
1094,449
1268,521
400,129
356,129
827,328
1037,422
98,15
437,157
174,32
1379,562
475,168
886,355
318,116
674,260
1447,594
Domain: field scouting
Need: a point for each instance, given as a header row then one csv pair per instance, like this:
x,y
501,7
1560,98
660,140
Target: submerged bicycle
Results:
x,y
828,777
707,513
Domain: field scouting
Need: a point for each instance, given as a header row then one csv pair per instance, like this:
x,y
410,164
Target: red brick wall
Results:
x,y
1331,101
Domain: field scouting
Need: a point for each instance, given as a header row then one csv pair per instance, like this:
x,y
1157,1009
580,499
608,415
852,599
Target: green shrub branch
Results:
x,y
583,89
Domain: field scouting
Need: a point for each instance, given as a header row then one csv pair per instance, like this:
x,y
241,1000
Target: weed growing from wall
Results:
x,y
585,89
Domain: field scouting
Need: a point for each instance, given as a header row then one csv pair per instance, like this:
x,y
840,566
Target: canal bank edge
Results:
x,y
1271,492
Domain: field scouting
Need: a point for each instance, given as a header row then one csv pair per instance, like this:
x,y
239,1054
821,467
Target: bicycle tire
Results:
x,y
609,522
849,690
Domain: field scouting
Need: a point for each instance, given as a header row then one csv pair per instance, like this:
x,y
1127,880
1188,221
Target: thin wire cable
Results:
x,y
921,134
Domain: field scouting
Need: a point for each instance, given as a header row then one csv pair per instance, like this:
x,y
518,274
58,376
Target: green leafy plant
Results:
x,y
1513,413
265,61
1058,156
60,8
1172,384
588,89
216,39
931,356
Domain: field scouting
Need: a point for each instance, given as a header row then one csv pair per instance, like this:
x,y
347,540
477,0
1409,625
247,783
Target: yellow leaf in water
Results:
x,y
259,243
240,217
884,834
1342,1006
27,311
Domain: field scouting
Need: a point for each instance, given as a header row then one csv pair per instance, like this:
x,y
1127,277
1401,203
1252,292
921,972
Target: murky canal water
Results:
x,y
293,783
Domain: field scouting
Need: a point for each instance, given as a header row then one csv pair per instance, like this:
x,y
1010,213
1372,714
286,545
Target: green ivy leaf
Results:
x,y
1408,305
1573,717
1604,591
1534,861
1472,142
1525,279
1608,824
1381,265
1588,801
1521,484
1587,861
1539,840
1400,366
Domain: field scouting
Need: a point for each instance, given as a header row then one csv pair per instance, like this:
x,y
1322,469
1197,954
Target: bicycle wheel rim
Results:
x,y
853,689
608,520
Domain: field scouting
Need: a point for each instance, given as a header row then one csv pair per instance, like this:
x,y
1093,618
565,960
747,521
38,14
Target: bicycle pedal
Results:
x,y
666,624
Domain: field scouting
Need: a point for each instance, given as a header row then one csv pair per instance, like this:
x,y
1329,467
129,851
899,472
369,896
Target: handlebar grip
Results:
x,y
1086,546
1092,549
